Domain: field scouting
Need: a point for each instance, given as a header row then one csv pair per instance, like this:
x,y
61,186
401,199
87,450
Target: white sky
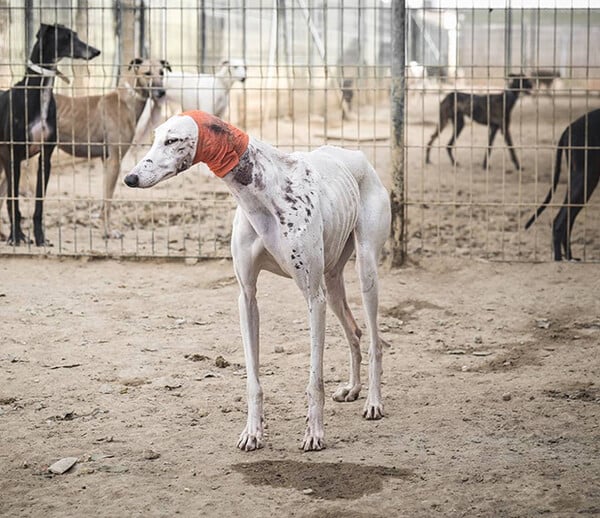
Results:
x,y
516,4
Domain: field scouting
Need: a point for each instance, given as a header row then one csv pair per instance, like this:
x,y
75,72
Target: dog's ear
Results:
x,y
44,27
135,63
166,65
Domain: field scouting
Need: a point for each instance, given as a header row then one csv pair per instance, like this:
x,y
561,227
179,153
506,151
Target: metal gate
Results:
x,y
319,72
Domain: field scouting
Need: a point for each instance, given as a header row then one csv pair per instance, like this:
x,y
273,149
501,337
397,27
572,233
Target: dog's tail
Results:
x,y
557,167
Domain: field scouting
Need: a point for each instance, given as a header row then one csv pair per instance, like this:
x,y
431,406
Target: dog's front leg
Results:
x,y
252,436
315,432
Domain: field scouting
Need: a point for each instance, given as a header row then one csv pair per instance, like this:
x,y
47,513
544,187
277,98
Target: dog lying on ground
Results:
x,y
580,142
104,125
299,215
492,110
28,122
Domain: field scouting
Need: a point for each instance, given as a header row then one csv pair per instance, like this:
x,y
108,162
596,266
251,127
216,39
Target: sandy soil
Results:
x,y
490,384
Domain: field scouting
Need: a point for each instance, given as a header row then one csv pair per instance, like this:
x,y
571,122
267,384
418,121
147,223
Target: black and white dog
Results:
x,y
581,144
28,120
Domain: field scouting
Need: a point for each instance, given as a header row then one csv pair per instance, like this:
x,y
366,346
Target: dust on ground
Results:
x,y
491,394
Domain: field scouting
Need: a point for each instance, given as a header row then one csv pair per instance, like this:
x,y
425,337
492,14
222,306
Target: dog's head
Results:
x,y
186,139
172,152
54,42
146,77
233,68
520,83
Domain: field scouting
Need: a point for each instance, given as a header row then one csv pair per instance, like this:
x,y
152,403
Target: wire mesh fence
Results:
x,y
300,74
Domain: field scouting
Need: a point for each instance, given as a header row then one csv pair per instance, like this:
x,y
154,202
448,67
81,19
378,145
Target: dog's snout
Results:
x,y
132,180
160,93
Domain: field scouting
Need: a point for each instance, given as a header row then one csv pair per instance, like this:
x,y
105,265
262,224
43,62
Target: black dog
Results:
x,y
580,140
28,120
491,110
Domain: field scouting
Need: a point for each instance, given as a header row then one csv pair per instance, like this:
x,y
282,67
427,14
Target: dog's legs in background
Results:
x,y
336,297
13,175
40,193
458,127
492,130
111,174
438,130
511,148
3,191
575,199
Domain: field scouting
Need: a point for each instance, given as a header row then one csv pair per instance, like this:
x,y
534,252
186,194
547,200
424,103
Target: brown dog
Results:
x,y
103,126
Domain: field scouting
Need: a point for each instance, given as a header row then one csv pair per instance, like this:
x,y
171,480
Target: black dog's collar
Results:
x,y
46,72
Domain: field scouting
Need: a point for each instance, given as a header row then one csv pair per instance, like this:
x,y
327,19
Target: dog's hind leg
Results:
x,y
492,130
578,195
511,148
372,230
444,107
336,297
458,127
40,193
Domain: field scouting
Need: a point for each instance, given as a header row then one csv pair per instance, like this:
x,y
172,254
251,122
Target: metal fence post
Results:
x,y
397,112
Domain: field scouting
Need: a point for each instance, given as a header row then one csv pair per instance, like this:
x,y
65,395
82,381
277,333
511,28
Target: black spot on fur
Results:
x,y
280,215
259,180
308,212
242,173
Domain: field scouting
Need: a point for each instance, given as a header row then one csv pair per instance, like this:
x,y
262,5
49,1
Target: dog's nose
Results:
x,y
132,180
160,93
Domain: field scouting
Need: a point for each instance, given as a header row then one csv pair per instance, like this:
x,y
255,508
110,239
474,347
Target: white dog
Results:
x,y
299,215
209,93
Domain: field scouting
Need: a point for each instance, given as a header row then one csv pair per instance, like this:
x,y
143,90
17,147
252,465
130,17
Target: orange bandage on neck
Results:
x,y
220,145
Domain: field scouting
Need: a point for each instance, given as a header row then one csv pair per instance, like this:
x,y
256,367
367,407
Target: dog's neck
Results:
x,y
134,98
220,145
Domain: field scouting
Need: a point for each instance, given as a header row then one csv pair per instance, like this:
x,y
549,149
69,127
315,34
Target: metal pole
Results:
x,y
508,40
397,105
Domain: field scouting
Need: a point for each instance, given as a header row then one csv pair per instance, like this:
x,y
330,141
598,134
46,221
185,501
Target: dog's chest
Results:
x,y
39,129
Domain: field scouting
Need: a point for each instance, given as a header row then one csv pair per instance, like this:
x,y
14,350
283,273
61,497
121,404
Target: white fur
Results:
x,y
299,215
209,93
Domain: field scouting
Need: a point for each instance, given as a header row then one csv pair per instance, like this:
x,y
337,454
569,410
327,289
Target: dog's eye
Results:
x,y
170,141
148,74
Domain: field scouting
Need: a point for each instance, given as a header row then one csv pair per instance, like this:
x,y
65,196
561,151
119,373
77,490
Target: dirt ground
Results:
x,y
490,384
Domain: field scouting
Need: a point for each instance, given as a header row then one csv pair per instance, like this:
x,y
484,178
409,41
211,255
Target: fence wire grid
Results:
x,y
313,73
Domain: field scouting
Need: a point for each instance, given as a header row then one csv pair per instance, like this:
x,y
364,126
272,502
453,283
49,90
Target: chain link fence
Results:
x,y
314,73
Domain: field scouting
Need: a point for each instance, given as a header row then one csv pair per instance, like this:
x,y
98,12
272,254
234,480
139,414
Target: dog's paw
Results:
x,y
347,393
250,441
313,441
21,238
373,411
